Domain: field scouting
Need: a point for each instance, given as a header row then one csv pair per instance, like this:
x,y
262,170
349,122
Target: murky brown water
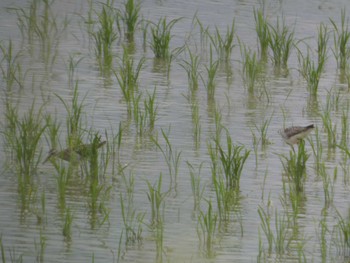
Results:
x,y
288,103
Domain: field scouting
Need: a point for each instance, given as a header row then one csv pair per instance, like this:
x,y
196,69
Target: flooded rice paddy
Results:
x,y
190,97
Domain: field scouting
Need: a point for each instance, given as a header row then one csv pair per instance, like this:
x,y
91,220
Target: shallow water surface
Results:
x,y
32,225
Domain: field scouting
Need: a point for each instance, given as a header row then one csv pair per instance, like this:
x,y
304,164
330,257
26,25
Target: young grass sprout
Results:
x,y
281,41
341,39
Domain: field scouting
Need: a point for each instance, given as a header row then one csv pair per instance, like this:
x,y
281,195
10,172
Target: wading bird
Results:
x,y
74,154
293,135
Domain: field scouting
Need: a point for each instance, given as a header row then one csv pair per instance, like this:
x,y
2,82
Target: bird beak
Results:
x,y
48,157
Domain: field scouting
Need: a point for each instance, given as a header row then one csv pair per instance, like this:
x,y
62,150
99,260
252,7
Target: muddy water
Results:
x,y
288,103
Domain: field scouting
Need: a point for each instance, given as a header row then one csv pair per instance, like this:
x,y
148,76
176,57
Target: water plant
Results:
x,y
196,124
40,248
343,237
204,33
131,219
295,167
105,37
172,157
40,23
62,180
127,76
10,66
74,118
322,43
130,16
191,67
67,225
227,198
330,129
310,72
211,69
161,36
197,190
156,198
328,183
317,149
151,109
250,68
232,160
341,37
262,30
281,41
262,131
22,135
207,228
265,225
344,126
224,44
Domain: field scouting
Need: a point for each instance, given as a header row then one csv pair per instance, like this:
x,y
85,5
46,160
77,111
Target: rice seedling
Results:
x,y
72,65
161,36
262,30
40,248
204,33
224,44
328,184
191,67
10,66
330,129
74,118
227,198
341,35
282,239
262,131
207,229
265,225
62,180
97,191
115,151
67,225
196,124
256,143
295,167
281,41
130,16
232,161
157,200
344,126
172,157
343,234
13,256
132,221
22,135
41,215
151,109
323,239
39,23
127,76
322,42
250,68
317,150
28,20
53,128
105,37
210,84
310,72
197,190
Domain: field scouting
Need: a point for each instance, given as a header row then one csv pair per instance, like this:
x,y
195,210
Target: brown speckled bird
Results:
x,y
74,154
293,135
